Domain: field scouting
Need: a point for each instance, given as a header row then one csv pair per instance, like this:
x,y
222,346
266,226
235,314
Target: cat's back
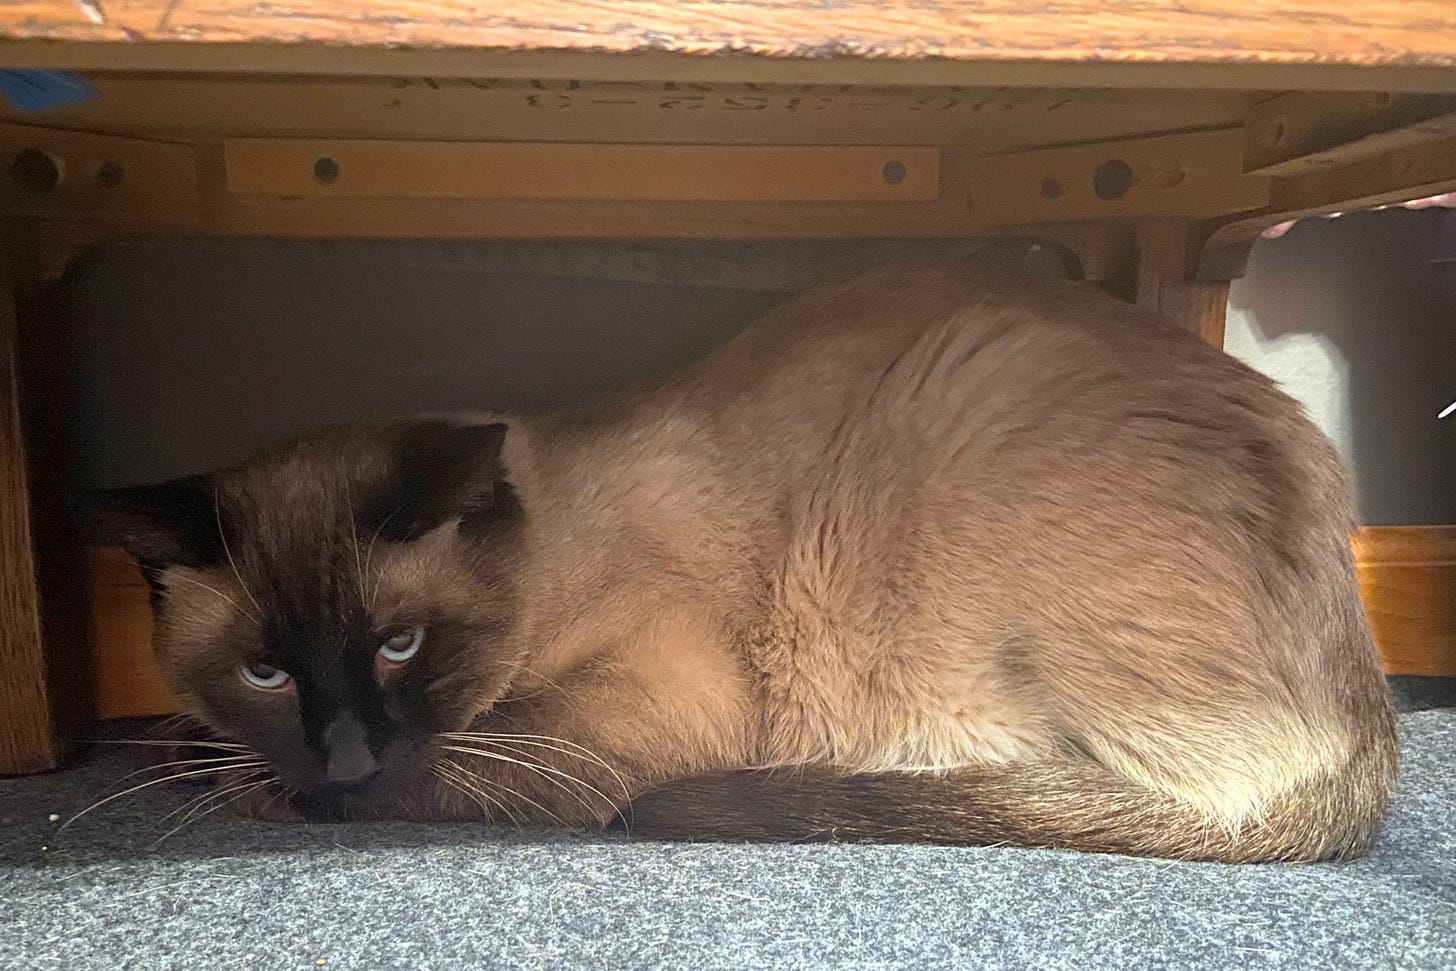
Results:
x,y
1040,397
935,356
834,341
995,482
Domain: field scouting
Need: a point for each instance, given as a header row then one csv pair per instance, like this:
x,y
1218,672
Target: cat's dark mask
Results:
x,y
337,601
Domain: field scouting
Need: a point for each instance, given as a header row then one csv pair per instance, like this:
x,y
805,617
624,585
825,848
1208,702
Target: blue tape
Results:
x,y
37,90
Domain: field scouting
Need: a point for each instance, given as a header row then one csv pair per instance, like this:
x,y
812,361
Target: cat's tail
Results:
x,y
1069,804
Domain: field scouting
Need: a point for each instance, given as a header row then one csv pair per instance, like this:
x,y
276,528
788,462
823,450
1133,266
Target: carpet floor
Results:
x,y
227,893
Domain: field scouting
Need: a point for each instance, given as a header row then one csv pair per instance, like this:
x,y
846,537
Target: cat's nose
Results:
x,y
350,762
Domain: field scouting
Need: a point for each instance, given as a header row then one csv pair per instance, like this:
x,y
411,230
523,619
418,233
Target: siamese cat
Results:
x,y
917,557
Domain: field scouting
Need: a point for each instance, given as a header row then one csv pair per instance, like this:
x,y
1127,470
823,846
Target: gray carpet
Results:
x,y
226,893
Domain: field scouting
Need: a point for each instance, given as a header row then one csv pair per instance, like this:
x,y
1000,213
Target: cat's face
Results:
x,y
336,603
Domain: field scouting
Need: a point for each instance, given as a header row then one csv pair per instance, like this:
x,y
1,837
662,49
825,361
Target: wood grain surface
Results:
x,y
1408,583
128,681
1164,282
27,733
1392,32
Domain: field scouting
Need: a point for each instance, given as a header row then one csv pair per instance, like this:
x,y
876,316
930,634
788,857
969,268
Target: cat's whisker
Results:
x,y
504,699
241,789
469,795
374,597
546,772
285,791
192,805
545,765
198,583
457,781
164,765
476,794
570,747
369,555
175,721
501,786
551,775
189,804
536,741
174,743
155,782
544,741
222,534
353,532
520,668
439,774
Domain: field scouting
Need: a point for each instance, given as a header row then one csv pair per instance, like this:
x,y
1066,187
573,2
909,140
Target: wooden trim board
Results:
x,y
1407,580
344,187
54,172
346,168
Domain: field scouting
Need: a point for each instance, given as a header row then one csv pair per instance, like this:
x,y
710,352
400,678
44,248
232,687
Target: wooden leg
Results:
x,y
27,729
44,687
1165,282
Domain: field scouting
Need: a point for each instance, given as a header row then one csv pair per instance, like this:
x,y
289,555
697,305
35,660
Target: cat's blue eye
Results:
x,y
402,647
264,676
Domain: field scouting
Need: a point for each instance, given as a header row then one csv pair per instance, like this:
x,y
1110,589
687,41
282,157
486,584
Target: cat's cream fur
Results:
x,y
1084,576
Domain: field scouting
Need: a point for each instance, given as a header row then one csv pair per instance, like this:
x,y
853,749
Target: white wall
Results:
x,y
1356,317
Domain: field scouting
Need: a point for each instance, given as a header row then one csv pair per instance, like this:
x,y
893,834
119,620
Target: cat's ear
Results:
x,y
444,471
173,522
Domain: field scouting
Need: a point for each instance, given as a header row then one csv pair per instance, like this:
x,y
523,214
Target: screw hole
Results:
x,y
894,172
110,174
326,170
1051,188
1112,179
34,173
